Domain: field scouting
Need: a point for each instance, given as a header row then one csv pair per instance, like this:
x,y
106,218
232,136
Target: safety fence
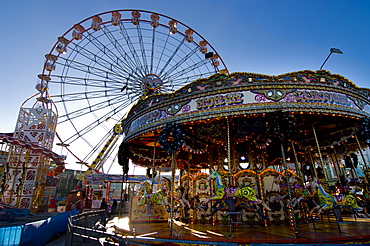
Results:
x,y
87,229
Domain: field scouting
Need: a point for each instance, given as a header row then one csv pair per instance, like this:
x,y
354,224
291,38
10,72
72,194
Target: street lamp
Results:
x,y
332,51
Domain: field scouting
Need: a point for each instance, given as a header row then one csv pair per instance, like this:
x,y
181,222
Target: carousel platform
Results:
x,y
324,231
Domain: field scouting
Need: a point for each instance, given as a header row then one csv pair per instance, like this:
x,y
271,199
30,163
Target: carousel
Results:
x,y
246,149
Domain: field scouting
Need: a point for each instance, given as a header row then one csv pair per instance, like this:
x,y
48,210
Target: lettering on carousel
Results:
x,y
150,117
220,100
320,97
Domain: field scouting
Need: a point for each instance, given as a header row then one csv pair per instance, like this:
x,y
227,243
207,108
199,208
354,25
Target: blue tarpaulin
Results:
x,y
17,212
40,232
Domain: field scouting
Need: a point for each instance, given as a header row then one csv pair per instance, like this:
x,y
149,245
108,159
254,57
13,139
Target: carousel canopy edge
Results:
x,y
243,93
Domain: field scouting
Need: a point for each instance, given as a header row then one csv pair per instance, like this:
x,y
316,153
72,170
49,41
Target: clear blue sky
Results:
x,y
266,36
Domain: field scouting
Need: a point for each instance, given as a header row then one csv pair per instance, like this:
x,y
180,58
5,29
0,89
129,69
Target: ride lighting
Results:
x,y
244,165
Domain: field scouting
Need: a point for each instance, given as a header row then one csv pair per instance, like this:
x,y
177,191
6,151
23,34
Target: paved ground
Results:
x,y
324,231
320,232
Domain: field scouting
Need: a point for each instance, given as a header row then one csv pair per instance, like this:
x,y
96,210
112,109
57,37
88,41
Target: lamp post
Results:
x,y
332,51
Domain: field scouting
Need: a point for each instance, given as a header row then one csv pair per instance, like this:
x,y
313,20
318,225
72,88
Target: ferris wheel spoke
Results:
x,y
162,53
87,128
142,48
102,48
122,103
126,57
93,83
152,54
190,69
130,45
82,96
91,70
114,66
80,133
171,57
179,63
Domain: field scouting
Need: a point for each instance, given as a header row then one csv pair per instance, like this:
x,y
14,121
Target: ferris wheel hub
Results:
x,y
152,81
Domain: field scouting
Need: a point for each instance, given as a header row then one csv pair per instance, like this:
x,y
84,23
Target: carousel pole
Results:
x,y
228,150
320,156
172,138
123,191
259,179
312,164
337,172
297,164
341,172
189,159
172,190
355,174
363,158
362,154
337,166
287,174
153,164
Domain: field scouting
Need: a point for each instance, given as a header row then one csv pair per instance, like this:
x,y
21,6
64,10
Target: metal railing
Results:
x,y
88,228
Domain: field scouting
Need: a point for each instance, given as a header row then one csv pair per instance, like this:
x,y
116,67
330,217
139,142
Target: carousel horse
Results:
x,y
299,191
328,201
246,195
165,185
147,197
197,204
179,197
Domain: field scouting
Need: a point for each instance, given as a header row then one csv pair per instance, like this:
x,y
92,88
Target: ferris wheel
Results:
x,y
107,62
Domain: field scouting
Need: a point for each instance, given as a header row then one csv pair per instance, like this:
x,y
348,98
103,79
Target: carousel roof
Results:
x,y
309,108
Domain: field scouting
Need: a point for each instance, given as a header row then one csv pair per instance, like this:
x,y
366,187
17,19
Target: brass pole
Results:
x,y
172,190
363,158
228,150
362,154
355,174
297,164
287,177
341,172
153,165
312,163
337,172
320,156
